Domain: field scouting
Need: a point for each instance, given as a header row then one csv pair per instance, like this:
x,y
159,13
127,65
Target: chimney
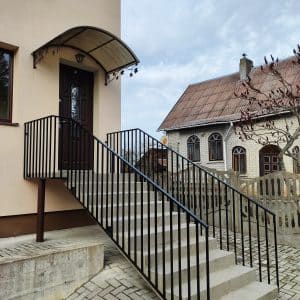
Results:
x,y
245,67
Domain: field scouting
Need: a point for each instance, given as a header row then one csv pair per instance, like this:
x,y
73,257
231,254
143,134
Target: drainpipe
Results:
x,y
225,147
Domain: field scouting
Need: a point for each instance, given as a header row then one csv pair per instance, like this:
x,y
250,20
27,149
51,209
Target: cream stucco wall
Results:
x,y
177,140
28,25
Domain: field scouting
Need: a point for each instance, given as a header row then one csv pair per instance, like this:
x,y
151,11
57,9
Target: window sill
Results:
x,y
9,124
215,162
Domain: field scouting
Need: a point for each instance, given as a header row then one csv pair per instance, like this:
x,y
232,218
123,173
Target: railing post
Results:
x,y
40,210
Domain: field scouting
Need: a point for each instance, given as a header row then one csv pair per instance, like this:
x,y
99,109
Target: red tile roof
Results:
x,y
213,101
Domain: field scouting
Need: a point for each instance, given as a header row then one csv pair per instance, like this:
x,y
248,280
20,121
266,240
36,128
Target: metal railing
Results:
x,y
148,225
240,223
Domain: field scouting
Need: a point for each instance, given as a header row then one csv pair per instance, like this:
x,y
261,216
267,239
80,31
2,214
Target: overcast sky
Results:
x,y
180,42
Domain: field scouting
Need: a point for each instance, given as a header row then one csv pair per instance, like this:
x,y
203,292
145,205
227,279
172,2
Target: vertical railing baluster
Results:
x,y
46,148
234,227
249,234
135,217
179,251
267,246
213,205
226,211
188,187
102,182
148,231
29,168
88,158
142,225
118,197
106,190
163,244
155,238
25,151
55,128
80,166
43,140
50,149
206,197
182,182
38,147
171,249
188,255
123,208
258,242
207,263
276,251
60,146
112,195
198,261
220,214
242,229
129,211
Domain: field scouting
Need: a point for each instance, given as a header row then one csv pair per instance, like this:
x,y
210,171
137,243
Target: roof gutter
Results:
x,y
225,146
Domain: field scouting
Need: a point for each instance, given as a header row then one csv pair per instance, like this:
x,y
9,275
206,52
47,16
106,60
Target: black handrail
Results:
x,y
125,205
228,211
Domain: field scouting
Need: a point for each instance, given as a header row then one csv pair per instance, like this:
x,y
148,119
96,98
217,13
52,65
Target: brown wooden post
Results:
x,y
40,211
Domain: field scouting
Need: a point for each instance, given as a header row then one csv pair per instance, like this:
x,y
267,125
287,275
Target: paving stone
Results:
x,y
123,297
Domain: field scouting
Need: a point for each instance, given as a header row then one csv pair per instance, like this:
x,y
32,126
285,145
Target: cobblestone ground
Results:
x,y
288,262
119,280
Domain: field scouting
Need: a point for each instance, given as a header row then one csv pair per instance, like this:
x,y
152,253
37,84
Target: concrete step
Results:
x,y
104,176
127,197
141,207
93,185
156,236
183,247
253,291
218,260
222,283
159,219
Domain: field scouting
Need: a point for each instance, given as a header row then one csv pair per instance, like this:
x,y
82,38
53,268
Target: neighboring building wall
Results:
x,y
28,25
177,140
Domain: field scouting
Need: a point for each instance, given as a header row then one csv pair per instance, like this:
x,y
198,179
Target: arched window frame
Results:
x,y
193,148
296,163
215,147
239,159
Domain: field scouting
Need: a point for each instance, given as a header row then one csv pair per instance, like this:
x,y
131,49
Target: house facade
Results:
x,y
56,58
201,125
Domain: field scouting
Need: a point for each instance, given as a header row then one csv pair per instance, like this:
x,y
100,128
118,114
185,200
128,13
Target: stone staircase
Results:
x,y
145,228
154,220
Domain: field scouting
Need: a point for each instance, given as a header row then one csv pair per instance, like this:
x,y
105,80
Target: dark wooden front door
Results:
x,y
269,161
75,102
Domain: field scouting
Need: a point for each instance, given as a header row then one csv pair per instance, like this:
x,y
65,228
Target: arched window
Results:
x,y
193,148
215,147
296,163
239,160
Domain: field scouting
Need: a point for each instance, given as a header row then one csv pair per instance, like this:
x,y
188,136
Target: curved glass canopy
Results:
x,y
107,50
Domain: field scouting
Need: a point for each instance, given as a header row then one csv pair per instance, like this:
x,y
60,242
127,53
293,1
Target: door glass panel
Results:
x,y
75,103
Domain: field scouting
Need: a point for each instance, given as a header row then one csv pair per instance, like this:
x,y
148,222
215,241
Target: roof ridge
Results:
x,y
197,110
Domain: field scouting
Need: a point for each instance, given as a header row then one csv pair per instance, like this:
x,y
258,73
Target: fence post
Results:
x,y
40,211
